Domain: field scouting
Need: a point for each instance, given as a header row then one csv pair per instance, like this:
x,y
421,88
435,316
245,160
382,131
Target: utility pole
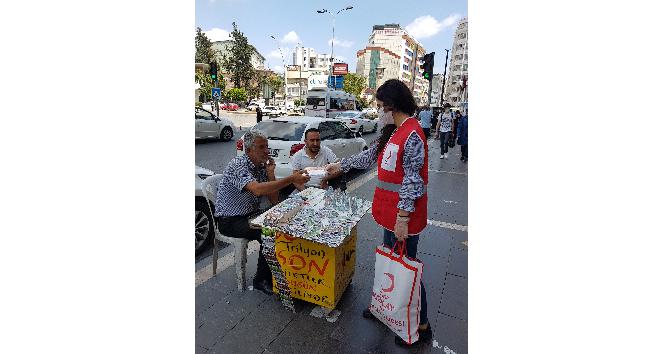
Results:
x,y
415,62
302,62
329,83
442,94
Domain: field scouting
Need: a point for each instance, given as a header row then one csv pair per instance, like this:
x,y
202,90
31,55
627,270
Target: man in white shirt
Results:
x,y
313,157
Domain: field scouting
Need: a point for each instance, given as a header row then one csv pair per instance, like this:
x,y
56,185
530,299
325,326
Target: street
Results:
x,y
228,321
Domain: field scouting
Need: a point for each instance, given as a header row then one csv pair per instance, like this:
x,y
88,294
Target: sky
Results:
x,y
432,22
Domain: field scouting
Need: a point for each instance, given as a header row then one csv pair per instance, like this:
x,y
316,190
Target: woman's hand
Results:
x,y
401,228
333,168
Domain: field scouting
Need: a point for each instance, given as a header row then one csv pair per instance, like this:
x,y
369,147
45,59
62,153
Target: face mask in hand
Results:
x,y
385,118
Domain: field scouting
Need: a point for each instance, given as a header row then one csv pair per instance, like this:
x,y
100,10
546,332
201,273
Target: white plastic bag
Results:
x,y
395,300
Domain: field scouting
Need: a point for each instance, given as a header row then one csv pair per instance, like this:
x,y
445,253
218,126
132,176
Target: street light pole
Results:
x,y
283,62
300,80
333,22
442,94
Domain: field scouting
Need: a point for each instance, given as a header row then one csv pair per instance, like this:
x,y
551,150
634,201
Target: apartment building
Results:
x,y
392,53
437,90
458,69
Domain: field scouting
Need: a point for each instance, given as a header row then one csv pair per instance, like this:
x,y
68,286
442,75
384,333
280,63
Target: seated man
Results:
x,y
313,155
245,180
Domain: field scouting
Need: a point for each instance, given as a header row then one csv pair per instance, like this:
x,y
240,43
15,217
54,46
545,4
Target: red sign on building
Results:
x,y
340,69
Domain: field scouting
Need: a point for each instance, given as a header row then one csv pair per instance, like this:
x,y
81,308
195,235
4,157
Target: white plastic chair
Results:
x,y
209,187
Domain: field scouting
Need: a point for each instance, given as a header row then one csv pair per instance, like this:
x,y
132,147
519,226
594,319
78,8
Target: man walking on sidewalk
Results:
x,y
425,120
444,131
462,136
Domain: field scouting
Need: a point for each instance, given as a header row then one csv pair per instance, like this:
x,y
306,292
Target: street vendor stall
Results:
x,y
309,242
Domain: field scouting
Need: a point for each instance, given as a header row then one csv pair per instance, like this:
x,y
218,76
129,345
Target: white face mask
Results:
x,y
385,118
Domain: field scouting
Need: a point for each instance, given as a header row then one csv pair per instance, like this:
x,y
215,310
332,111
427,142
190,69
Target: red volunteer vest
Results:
x,y
390,177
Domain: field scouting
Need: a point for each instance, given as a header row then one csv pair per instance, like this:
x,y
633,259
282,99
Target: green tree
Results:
x,y
275,82
205,82
204,52
238,62
355,84
298,102
237,94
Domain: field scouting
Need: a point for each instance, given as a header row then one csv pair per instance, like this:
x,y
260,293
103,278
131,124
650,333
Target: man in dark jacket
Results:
x,y
462,136
259,115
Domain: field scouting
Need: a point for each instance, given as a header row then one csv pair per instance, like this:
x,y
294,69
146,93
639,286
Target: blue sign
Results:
x,y
216,92
336,82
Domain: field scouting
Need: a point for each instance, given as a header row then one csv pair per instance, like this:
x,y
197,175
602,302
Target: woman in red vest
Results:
x,y
400,199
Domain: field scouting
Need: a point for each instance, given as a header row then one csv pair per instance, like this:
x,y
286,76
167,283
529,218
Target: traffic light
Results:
x,y
427,66
213,70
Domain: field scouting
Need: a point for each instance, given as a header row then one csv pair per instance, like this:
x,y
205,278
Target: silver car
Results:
x,y
203,230
209,126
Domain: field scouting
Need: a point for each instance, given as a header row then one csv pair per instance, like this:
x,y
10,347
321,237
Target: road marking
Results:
x,y
359,183
223,263
450,172
447,225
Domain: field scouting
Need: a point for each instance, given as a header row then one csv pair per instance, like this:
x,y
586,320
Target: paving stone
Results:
x,y
254,332
222,316
458,261
304,334
455,297
451,333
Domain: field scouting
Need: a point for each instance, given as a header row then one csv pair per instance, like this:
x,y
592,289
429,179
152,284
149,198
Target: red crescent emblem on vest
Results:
x,y
391,287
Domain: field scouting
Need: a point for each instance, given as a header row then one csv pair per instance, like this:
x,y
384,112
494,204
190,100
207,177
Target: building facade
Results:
x,y
437,90
392,53
307,69
455,94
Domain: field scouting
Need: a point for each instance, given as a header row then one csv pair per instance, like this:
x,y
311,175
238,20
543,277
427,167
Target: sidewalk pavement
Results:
x,y
228,321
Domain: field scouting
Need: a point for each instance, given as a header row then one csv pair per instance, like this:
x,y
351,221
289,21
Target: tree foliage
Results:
x,y
355,84
238,60
204,52
204,80
275,82
237,94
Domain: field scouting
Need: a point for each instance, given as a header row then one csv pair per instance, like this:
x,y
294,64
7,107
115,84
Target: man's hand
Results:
x,y
401,228
333,168
300,177
270,165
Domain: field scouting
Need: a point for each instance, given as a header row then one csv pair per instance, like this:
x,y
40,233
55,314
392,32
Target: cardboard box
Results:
x,y
315,272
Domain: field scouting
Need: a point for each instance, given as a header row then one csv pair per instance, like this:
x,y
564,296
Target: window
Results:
x,y
280,130
201,114
342,131
316,101
327,131
405,67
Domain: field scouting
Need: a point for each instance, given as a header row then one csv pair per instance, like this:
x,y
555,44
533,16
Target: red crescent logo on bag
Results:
x,y
391,287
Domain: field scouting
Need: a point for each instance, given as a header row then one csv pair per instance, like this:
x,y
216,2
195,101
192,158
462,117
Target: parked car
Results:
x,y
252,106
203,227
274,111
209,126
358,121
209,106
229,106
371,112
286,137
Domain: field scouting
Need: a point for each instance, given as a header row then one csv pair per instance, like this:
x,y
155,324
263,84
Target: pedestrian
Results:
x,y
259,114
400,198
462,136
444,130
313,155
245,180
425,120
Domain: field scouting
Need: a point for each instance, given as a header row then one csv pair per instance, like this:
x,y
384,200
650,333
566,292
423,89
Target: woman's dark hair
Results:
x,y
395,95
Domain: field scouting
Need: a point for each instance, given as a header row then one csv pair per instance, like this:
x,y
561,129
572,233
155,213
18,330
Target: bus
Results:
x,y
327,103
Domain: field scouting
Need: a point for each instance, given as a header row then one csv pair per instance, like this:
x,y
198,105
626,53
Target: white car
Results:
x,y
203,220
371,112
286,137
209,126
274,111
358,121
